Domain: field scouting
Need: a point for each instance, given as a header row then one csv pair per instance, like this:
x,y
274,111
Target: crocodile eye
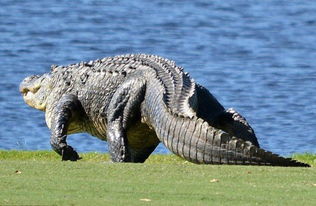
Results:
x,y
30,78
35,77
53,67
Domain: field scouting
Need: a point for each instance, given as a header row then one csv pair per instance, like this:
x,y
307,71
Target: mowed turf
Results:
x,y
40,178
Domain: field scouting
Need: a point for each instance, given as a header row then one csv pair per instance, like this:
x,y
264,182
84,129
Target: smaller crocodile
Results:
x,y
136,101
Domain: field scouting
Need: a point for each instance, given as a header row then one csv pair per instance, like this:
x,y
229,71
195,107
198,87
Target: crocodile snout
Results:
x,y
29,84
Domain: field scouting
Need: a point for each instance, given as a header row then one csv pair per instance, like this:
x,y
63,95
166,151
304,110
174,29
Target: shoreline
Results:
x,y
46,155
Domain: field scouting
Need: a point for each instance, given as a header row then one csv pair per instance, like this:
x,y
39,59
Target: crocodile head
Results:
x,y
35,90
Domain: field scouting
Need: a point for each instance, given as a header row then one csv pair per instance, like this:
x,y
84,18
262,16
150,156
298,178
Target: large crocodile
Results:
x,y
136,101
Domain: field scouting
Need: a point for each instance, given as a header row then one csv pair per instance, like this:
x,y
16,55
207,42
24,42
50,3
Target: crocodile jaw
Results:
x,y
30,99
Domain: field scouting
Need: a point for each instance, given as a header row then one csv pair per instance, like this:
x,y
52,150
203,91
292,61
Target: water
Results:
x,y
256,56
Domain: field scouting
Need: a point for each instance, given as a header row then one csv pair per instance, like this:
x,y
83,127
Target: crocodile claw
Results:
x,y
68,153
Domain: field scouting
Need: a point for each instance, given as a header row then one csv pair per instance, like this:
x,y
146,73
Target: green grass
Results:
x,y
40,178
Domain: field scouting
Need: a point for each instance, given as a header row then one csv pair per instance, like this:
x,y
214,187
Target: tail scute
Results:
x,y
272,159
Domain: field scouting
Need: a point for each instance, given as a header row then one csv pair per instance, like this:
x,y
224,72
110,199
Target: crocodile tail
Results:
x,y
196,141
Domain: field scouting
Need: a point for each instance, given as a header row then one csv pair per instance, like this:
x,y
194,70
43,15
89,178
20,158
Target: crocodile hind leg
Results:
x,y
229,121
236,125
120,114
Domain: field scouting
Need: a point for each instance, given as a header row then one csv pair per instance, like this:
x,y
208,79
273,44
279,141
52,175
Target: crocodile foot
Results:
x,y
68,153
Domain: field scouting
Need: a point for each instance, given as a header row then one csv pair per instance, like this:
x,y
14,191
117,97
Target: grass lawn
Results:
x,y
40,178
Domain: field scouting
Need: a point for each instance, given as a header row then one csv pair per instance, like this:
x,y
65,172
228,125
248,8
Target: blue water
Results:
x,y
256,56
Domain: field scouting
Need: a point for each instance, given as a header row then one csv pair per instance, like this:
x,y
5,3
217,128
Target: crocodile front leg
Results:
x,y
63,113
121,111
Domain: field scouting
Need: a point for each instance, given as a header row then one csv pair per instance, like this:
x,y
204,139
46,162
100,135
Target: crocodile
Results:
x,y
136,101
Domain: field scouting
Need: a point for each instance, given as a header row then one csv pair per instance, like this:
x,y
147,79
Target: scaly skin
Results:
x,y
136,101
